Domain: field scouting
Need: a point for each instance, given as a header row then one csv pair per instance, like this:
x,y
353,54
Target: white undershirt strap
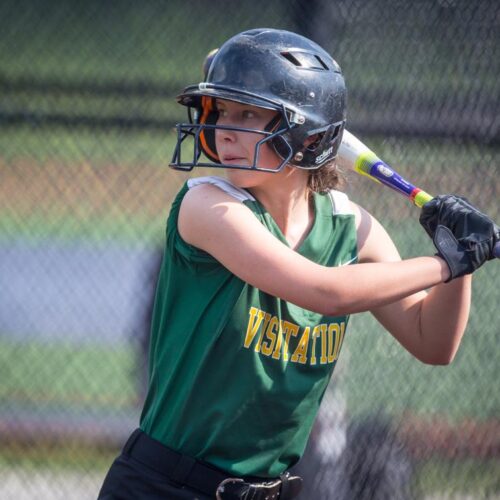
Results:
x,y
340,202
224,185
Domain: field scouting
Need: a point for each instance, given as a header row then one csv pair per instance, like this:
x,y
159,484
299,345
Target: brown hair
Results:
x,y
326,177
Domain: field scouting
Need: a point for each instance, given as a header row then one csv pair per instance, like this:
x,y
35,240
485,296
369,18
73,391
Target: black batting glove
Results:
x,y
463,236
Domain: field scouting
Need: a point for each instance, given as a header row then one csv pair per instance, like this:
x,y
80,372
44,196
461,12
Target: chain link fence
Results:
x,y
86,114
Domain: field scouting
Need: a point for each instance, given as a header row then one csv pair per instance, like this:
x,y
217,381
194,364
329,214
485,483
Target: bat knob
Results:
x,y
496,250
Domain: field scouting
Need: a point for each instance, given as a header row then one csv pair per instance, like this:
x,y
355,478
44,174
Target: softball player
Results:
x,y
262,270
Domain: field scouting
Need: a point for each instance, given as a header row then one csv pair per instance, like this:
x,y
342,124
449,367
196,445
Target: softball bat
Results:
x,y
355,155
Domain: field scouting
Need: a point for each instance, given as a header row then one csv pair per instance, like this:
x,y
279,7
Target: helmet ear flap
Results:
x,y
322,150
332,140
279,143
281,146
207,135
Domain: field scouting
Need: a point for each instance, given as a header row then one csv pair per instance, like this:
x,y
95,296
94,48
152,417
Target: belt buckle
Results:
x,y
222,486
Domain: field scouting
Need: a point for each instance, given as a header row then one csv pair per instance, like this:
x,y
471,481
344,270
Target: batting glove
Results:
x,y
463,236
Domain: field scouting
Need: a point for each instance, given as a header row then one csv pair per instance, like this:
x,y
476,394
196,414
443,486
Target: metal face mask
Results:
x,y
200,132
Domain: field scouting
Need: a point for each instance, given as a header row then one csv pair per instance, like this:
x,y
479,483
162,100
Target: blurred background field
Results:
x,y
87,108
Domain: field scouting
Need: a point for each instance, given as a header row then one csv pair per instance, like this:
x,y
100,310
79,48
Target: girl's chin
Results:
x,y
243,178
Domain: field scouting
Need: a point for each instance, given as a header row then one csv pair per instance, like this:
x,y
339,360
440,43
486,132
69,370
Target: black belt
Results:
x,y
203,477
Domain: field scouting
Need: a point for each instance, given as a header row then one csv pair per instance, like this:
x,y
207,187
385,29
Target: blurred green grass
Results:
x,y
458,479
135,42
62,375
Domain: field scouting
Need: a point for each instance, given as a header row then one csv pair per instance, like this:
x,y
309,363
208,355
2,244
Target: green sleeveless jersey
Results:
x,y
237,375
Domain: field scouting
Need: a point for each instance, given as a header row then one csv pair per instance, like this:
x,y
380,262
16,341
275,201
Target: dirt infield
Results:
x,y
85,190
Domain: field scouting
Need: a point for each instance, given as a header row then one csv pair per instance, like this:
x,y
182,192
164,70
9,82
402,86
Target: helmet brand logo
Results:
x,y
324,155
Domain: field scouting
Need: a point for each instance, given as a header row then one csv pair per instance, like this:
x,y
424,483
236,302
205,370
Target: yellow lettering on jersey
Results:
x,y
289,330
333,338
315,335
279,341
300,354
267,317
278,338
253,326
324,332
267,347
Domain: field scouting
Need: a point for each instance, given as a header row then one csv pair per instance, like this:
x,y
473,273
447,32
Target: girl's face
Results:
x,y
238,148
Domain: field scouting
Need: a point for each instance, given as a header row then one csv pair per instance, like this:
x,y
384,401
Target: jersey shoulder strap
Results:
x,y
340,203
223,184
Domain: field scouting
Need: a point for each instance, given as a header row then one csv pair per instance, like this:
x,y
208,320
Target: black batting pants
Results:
x,y
128,479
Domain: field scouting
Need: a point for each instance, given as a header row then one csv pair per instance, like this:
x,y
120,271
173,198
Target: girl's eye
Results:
x,y
248,114
222,112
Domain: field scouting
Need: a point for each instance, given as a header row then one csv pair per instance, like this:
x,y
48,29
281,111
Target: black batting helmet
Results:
x,y
277,70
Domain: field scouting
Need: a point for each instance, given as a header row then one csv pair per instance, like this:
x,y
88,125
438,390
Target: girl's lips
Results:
x,y
232,159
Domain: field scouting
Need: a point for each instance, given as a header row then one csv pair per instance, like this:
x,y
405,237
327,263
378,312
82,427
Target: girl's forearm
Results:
x,y
444,316
363,287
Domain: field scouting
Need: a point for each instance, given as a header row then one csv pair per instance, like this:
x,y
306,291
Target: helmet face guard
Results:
x,y
202,126
275,70
197,131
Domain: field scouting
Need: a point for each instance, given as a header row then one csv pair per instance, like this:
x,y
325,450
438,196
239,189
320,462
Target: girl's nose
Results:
x,y
225,135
